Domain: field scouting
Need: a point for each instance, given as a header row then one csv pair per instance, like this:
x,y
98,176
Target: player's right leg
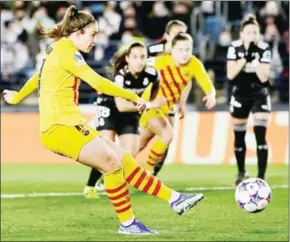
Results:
x,y
95,182
240,111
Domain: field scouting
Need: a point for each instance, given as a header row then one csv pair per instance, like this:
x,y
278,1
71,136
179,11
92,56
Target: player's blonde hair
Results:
x,y
249,19
72,21
181,37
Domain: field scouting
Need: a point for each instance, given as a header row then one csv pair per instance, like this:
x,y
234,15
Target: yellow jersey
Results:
x,y
58,82
173,79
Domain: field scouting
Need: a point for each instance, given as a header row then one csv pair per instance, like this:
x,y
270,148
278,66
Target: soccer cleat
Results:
x,y
91,193
240,177
186,202
100,185
136,228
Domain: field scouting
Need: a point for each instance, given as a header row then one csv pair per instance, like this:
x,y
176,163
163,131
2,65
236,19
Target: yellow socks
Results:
x,y
117,191
156,154
142,180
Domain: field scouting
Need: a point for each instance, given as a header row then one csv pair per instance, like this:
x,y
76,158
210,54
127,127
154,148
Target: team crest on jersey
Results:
x,y
241,54
79,58
145,81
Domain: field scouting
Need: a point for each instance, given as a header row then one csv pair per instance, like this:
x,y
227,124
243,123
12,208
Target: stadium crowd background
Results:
x,y
212,24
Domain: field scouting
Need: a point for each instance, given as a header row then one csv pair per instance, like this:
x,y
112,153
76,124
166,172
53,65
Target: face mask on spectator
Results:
x,y
11,37
271,8
102,41
126,37
225,38
40,15
159,9
6,16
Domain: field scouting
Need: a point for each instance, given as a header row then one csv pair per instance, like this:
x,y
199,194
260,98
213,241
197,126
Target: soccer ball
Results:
x,y
253,195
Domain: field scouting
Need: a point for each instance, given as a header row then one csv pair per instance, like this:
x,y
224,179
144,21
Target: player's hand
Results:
x,y
210,101
9,96
181,111
251,48
141,105
158,102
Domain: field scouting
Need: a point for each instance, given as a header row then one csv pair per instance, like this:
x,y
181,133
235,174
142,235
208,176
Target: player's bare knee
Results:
x,y
113,164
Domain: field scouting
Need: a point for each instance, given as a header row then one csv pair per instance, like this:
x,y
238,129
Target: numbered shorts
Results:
x,y
150,114
111,119
241,108
68,141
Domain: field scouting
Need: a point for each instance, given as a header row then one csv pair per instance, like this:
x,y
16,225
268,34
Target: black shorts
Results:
x,y
241,107
121,123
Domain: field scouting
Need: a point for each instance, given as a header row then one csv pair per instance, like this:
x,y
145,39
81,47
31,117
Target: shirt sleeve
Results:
x,y
30,86
202,76
266,56
75,64
119,80
232,54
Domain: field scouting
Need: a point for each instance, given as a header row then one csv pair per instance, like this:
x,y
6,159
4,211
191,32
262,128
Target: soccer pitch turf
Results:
x,y
70,216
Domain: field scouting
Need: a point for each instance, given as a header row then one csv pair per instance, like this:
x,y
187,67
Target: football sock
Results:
x,y
95,175
240,146
160,164
117,191
262,150
156,154
143,180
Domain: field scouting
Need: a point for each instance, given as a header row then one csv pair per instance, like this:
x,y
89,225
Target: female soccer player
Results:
x,y
248,67
64,130
177,70
172,28
116,116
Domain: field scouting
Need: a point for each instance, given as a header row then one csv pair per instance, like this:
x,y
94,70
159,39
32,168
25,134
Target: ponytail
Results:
x,y
72,21
249,19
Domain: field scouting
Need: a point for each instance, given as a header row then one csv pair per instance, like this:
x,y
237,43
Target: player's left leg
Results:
x,y
160,164
162,128
261,112
260,129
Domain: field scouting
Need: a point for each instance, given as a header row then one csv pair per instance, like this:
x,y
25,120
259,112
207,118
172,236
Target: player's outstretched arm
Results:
x,y
74,63
183,100
206,84
124,106
13,97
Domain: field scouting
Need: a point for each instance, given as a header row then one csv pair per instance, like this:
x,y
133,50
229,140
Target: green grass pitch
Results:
x,y
73,218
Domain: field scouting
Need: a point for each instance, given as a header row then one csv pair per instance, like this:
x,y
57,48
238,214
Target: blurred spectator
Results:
x,y
271,31
270,13
214,24
282,82
14,54
182,11
156,20
110,21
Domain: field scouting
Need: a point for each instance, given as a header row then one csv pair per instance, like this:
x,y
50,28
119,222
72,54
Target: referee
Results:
x,y
248,67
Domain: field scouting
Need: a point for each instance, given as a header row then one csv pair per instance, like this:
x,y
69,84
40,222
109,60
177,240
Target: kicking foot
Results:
x,y
186,202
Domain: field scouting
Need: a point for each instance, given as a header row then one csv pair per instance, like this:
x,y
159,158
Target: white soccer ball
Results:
x,y
253,195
